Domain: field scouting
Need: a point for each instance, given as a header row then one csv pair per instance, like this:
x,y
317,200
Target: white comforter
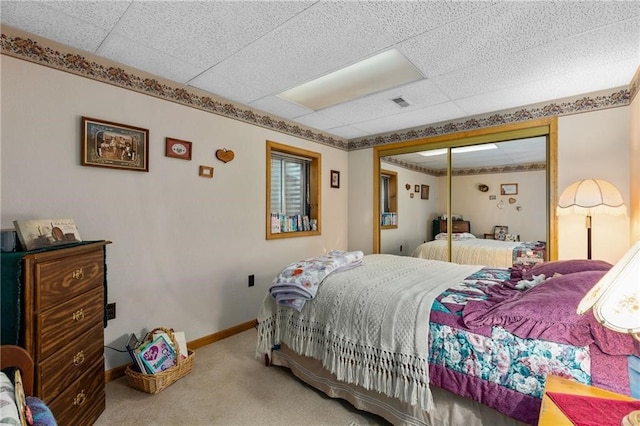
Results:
x,y
368,325
494,253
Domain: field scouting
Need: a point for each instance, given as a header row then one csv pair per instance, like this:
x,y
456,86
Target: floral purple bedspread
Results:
x,y
496,368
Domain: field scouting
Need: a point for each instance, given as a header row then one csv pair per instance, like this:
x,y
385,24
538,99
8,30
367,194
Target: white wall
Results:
x,y
361,200
483,213
594,145
183,245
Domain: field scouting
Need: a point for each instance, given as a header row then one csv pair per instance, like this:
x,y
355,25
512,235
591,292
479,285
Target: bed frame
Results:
x,y
15,356
449,409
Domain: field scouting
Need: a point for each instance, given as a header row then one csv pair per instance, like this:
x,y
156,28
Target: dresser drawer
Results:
x,y
59,371
83,401
57,327
61,279
459,227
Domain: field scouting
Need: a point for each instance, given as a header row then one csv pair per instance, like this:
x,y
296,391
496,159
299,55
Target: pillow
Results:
x,y
564,267
548,312
40,412
456,236
8,409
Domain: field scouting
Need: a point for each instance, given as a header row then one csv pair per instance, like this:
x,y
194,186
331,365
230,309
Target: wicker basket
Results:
x,y
154,383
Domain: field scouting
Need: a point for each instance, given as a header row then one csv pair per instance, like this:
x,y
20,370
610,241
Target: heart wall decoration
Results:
x,y
225,155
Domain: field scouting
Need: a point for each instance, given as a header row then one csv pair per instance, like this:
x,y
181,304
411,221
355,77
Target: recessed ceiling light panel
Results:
x,y
377,73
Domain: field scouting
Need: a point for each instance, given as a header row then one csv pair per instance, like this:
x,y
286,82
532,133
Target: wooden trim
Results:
x,y
117,372
315,189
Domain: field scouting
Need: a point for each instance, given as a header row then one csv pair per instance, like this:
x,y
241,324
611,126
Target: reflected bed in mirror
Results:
x,y
477,251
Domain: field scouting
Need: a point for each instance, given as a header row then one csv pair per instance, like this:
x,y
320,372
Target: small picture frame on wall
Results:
x,y
424,192
509,189
416,188
335,179
206,171
113,145
177,148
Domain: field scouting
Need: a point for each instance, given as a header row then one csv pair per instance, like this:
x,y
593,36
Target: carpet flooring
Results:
x,y
229,386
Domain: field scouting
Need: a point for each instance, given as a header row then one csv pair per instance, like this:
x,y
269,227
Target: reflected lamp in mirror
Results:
x,y
615,299
591,197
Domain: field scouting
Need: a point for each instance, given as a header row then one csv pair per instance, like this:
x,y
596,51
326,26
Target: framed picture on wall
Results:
x,y
509,189
335,179
177,148
113,145
424,192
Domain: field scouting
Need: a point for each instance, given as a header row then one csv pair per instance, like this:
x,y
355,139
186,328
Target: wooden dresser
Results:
x,y
63,329
457,226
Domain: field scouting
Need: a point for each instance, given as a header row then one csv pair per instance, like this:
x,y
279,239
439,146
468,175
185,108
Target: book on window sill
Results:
x,y
157,355
40,233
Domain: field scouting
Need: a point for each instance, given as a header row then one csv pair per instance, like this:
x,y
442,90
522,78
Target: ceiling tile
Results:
x,y
280,107
419,94
55,25
204,32
227,87
507,28
319,121
146,58
305,47
406,19
416,118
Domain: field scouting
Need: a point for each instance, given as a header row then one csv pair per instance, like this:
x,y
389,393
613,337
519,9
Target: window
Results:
x,y
293,191
388,199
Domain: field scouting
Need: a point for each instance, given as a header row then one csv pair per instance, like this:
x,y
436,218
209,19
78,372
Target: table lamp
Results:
x,y
615,299
588,197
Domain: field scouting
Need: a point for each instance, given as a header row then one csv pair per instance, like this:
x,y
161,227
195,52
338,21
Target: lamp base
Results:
x,y
631,419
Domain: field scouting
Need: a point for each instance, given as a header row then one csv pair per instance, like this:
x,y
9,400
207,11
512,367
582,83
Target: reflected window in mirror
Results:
x,y
388,199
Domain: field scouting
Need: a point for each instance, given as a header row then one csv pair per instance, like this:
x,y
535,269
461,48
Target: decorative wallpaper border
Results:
x,y
64,58
45,52
531,167
582,104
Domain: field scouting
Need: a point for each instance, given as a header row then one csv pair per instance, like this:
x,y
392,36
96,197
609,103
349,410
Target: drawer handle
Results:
x,y
80,398
78,358
78,274
78,315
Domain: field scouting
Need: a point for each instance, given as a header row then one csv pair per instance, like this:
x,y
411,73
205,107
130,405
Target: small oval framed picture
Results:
x,y
177,148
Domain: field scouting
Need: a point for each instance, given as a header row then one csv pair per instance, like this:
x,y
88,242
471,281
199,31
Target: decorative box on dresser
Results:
x,y
457,226
63,328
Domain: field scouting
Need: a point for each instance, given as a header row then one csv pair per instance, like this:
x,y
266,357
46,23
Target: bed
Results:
x,y
467,249
427,342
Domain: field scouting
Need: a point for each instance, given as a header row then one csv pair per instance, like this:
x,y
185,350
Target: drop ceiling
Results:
x,y
475,57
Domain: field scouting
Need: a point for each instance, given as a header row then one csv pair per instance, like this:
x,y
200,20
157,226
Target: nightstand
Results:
x,y
551,415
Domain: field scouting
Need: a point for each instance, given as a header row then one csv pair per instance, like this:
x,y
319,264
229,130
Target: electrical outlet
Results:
x,y
252,280
111,311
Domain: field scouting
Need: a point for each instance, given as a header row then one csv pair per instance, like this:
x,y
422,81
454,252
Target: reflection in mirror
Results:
x,y
495,214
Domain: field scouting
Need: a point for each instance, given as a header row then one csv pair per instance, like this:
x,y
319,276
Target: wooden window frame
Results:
x,y
315,189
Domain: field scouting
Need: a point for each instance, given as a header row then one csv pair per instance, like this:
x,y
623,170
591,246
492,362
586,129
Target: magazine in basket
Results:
x,y
157,355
